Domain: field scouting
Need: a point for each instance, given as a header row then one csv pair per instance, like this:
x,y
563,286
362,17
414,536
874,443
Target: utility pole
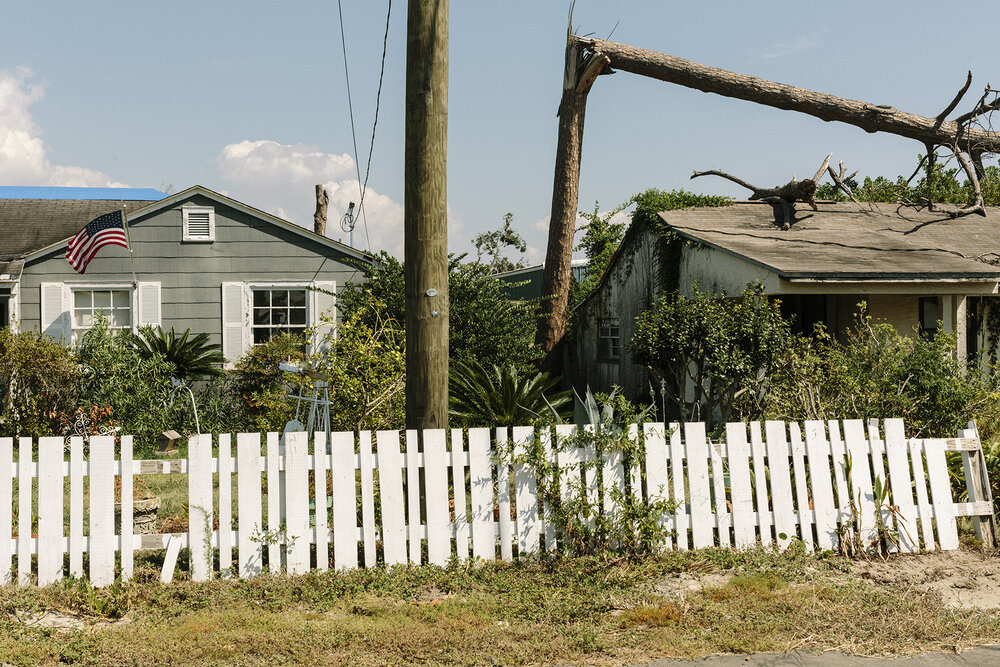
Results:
x,y
425,214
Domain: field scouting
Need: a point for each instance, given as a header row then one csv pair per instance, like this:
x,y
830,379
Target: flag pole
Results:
x,y
128,239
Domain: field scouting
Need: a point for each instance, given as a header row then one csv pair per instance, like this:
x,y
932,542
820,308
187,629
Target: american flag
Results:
x,y
99,232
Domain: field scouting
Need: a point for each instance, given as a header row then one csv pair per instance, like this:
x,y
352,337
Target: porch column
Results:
x,y
961,326
947,313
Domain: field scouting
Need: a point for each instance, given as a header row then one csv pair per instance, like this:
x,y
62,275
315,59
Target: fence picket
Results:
x,y
723,517
614,484
127,511
50,510
681,520
368,527
321,499
458,484
739,480
200,510
75,506
250,554
390,487
804,511
436,480
102,510
24,528
296,515
529,524
6,507
345,513
944,508
878,470
765,518
656,473
503,496
860,479
275,541
838,452
413,474
702,519
551,459
924,509
225,504
902,488
781,482
824,508
484,535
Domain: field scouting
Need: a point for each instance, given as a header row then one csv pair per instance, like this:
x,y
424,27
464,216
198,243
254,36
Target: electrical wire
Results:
x,y
363,185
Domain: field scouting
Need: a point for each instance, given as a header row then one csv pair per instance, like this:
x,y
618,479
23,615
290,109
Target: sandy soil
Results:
x,y
963,579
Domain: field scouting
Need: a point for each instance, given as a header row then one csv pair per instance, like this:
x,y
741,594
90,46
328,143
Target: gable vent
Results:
x,y
199,224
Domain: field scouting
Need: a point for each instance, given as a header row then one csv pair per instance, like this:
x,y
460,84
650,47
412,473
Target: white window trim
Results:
x,y
186,211
101,287
305,286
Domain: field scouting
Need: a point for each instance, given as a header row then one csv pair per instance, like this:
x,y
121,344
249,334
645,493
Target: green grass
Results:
x,y
571,610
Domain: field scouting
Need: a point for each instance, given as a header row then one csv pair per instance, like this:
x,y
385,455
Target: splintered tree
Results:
x,y
967,137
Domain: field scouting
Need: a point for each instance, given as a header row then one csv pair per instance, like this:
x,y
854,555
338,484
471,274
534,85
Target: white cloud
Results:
x,y
22,152
281,179
779,49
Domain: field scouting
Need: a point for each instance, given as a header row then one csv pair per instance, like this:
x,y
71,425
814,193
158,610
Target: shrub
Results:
x,y
116,377
37,383
502,396
192,357
259,387
876,373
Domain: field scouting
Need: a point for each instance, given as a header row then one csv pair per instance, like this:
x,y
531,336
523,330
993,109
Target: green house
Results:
x,y
198,260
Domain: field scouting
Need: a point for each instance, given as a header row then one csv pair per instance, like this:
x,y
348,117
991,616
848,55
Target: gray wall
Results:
x,y
191,273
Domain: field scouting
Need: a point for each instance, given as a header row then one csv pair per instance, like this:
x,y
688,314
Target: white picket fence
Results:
x,y
454,497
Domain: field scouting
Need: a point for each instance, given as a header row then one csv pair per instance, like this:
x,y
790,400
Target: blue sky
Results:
x,y
249,98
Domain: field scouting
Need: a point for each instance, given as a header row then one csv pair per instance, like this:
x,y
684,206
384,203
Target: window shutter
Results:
x,y
55,316
235,314
323,315
147,305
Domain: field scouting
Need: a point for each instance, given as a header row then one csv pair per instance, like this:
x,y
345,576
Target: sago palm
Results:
x,y
502,396
192,356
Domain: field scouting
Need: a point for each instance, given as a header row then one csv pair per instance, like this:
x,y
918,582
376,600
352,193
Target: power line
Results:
x,y
363,185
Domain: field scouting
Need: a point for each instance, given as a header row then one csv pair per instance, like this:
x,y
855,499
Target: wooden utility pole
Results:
x,y
425,215
579,76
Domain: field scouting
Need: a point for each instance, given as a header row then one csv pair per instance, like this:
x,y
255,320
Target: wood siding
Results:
x,y
246,248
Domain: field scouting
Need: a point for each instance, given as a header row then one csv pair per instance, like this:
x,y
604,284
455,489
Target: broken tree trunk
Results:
x,y
869,117
319,217
578,78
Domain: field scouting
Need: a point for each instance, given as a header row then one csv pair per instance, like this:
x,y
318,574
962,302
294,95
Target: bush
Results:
x,y
258,388
128,390
37,384
502,396
877,373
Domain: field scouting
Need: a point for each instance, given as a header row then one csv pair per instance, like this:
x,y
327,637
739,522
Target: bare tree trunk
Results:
x,y
425,214
869,117
579,77
319,217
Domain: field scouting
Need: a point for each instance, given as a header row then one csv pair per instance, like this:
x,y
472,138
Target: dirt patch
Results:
x,y
683,584
963,579
60,622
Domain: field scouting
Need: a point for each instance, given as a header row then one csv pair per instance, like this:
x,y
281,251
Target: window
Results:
x,y
114,304
608,339
199,224
930,313
277,310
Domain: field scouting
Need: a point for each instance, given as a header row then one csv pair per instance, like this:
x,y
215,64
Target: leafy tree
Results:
x,y
502,396
492,245
943,187
722,347
259,387
192,357
601,239
484,325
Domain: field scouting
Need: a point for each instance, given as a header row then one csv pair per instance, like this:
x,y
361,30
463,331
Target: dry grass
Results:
x,y
589,611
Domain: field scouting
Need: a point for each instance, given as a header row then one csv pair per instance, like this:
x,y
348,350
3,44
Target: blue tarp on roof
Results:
x,y
44,192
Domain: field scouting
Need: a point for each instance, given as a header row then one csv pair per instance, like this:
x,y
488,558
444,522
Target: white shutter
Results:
x,y
323,313
147,305
235,316
55,313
